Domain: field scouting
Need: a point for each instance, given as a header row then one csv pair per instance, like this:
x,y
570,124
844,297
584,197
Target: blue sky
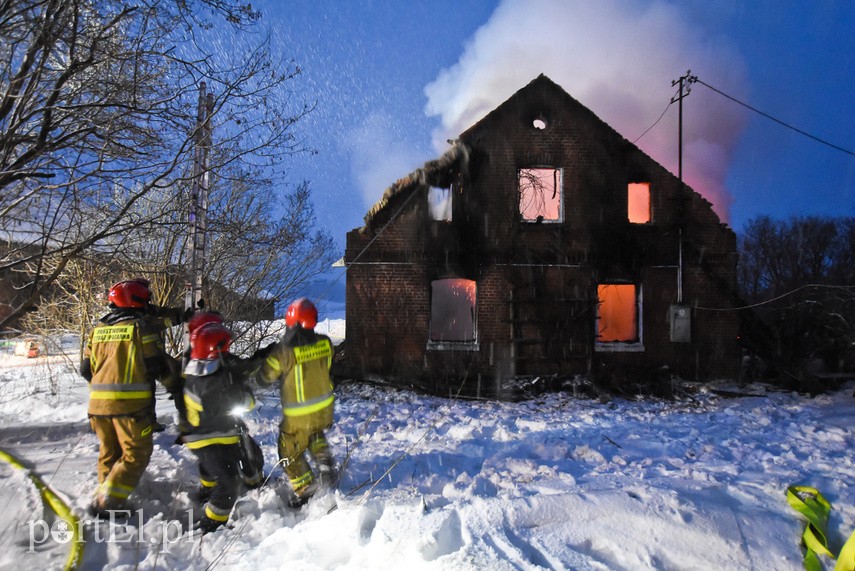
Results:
x,y
394,79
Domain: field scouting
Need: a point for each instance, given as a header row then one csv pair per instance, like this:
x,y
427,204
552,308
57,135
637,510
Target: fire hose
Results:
x,y
811,504
59,507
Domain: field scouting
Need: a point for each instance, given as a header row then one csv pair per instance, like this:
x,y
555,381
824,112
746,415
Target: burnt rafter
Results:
x,y
439,173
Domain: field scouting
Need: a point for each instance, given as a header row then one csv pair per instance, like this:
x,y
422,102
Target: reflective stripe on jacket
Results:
x,y
117,355
306,390
193,441
212,393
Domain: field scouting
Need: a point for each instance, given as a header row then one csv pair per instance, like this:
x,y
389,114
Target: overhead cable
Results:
x,y
787,125
654,123
783,295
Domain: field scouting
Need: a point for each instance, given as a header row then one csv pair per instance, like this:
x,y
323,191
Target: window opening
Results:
x,y
617,313
541,195
638,202
452,310
539,124
439,203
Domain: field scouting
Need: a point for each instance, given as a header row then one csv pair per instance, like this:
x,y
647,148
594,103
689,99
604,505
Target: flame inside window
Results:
x,y
617,313
638,202
452,311
540,194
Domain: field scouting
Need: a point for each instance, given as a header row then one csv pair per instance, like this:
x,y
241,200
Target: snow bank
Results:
x,y
431,483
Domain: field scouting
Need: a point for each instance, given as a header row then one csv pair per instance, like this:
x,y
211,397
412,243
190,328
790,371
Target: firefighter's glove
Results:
x,y
188,313
264,352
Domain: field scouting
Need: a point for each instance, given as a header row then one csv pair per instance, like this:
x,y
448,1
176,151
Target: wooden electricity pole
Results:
x,y
685,88
680,316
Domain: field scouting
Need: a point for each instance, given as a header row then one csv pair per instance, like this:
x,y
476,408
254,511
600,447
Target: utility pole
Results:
x,y
198,204
680,316
685,83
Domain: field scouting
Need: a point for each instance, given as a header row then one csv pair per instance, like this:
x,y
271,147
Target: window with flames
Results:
x,y
638,202
452,311
617,313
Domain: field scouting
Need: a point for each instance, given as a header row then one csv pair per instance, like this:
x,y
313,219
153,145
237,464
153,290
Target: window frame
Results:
x,y
431,205
560,190
629,208
621,346
449,345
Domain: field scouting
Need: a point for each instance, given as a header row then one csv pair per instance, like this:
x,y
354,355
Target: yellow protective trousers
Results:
x,y
126,447
294,443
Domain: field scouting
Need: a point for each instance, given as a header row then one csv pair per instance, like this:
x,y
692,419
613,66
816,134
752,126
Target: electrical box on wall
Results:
x,y
681,324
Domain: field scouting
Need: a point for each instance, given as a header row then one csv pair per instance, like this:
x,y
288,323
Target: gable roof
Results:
x,y
438,172
544,85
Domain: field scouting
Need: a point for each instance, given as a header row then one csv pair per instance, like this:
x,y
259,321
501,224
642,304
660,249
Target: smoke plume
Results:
x,y
379,155
618,58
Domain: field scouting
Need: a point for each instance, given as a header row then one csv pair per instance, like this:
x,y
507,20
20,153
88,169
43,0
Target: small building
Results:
x,y
542,243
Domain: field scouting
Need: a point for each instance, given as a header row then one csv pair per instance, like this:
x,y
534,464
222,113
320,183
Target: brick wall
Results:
x,y
536,296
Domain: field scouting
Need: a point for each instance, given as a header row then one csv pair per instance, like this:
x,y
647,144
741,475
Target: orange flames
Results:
x,y
617,314
638,202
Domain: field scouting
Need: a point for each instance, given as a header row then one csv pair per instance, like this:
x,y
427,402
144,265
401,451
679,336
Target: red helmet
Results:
x,y
201,318
129,294
209,340
302,312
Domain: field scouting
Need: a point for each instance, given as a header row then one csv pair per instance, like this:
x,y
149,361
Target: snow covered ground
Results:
x,y
556,482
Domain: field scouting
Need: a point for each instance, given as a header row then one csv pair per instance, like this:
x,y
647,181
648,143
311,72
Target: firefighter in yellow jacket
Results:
x,y
158,320
122,358
301,362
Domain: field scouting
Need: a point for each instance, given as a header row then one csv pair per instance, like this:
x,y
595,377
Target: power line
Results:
x,y
321,295
667,107
783,295
787,125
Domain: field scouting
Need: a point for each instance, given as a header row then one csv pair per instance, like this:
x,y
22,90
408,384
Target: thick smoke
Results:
x,y
618,58
379,155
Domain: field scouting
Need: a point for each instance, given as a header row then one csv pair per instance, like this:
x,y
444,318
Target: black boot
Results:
x,y
208,525
327,478
298,501
202,494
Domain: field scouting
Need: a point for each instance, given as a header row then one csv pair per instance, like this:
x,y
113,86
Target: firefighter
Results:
x,y
197,320
158,320
301,361
244,368
121,361
203,317
216,397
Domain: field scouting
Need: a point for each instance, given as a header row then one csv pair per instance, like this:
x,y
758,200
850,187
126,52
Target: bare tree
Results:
x,y
97,111
779,256
74,304
257,255
260,259
799,274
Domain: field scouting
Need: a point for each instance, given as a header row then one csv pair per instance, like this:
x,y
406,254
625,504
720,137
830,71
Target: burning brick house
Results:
x,y
541,243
